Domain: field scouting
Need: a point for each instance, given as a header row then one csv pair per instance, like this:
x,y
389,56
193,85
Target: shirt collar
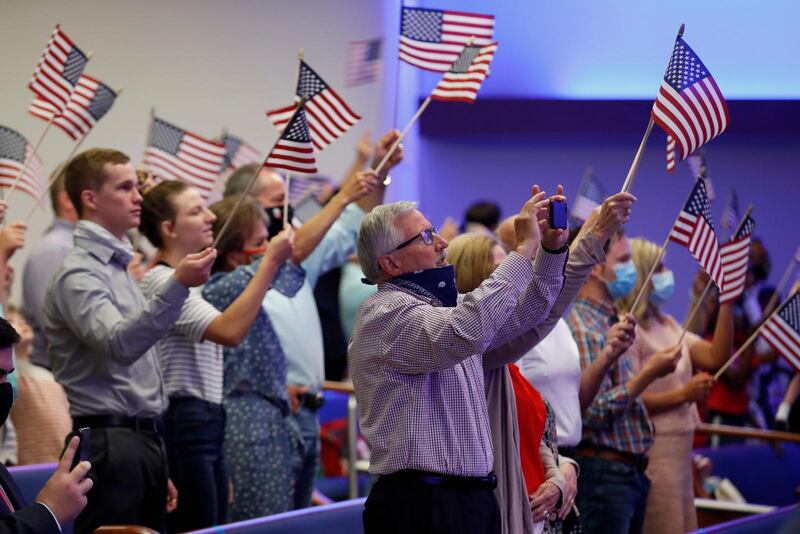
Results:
x,y
101,243
598,306
63,224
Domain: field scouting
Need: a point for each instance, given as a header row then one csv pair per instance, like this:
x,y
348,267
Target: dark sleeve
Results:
x,y
33,519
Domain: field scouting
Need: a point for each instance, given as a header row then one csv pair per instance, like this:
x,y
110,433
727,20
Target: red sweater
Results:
x,y
531,417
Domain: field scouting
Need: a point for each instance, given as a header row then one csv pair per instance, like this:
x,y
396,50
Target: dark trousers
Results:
x,y
194,433
129,470
403,508
306,459
612,496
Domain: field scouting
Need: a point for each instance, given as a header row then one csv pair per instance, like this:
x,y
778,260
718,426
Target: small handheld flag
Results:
x,y
238,152
694,229
88,103
328,115
590,195
463,81
58,70
14,151
177,154
432,39
294,151
735,255
782,330
689,106
363,63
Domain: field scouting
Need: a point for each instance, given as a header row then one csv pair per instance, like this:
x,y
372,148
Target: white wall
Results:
x,y
203,64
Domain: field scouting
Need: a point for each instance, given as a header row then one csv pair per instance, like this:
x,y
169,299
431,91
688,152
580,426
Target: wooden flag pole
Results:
x,y
745,345
781,285
253,179
397,72
628,184
403,134
54,178
286,221
661,252
410,124
710,282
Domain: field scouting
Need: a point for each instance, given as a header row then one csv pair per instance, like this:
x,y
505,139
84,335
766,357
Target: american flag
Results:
x,y
782,330
463,81
294,151
328,115
432,39
89,102
694,229
689,106
590,195
58,70
304,187
238,152
14,150
176,154
731,212
735,255
363,63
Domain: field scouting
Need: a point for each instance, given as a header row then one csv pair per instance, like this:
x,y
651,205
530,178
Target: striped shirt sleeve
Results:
x,y
196,313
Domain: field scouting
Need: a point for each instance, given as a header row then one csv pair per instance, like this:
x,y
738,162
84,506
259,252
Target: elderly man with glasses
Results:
x,y
416,359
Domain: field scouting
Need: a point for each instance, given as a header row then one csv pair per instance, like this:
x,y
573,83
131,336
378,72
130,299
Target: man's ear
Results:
x,y
389,265
89,199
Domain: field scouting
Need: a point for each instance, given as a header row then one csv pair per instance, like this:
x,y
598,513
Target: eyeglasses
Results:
x,y
426,235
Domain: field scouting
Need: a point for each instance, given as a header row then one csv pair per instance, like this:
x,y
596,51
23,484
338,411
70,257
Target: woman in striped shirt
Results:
x,y
174,218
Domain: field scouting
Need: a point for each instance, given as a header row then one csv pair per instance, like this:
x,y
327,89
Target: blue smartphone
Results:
x,y
558,214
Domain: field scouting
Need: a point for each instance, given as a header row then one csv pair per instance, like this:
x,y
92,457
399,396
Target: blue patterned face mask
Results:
x,y
440,282
663,287
625,274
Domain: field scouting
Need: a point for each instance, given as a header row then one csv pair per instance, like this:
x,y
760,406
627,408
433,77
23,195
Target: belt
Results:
x,y
427,478
138,424
589,450
313,401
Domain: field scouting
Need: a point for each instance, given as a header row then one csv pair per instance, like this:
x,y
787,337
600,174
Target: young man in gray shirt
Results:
x,y
101,331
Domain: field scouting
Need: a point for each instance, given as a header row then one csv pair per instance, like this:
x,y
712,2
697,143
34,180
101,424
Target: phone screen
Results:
x,y
558,214
84,447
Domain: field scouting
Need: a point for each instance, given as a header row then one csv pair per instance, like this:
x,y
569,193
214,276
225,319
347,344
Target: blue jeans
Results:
x,y
306,460
194,433
612,497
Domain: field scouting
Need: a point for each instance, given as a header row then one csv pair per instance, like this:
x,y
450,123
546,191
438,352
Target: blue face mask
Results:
x,y
663,287
439,282
625,280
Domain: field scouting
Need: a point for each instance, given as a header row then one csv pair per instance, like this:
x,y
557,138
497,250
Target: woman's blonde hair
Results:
x,y
644,254
471,255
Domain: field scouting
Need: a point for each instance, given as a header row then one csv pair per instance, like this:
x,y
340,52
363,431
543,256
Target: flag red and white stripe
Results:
x,y
670,153
694,230
177,154
294,151
239,153
15,150
327,113
432,39
782,330
88,103
735,256
363,62
463,81
58,70
689,106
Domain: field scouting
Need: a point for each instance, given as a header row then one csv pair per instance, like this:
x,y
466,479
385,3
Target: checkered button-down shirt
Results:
x,y
613,419
418,372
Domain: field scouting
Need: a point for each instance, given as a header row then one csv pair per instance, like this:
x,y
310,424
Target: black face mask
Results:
x,y
6,401
275,219
439,282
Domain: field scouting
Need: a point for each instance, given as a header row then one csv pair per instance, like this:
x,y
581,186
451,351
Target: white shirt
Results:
x,y
554,368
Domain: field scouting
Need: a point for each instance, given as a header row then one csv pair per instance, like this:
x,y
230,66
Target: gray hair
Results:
x,y
237,182
378,235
